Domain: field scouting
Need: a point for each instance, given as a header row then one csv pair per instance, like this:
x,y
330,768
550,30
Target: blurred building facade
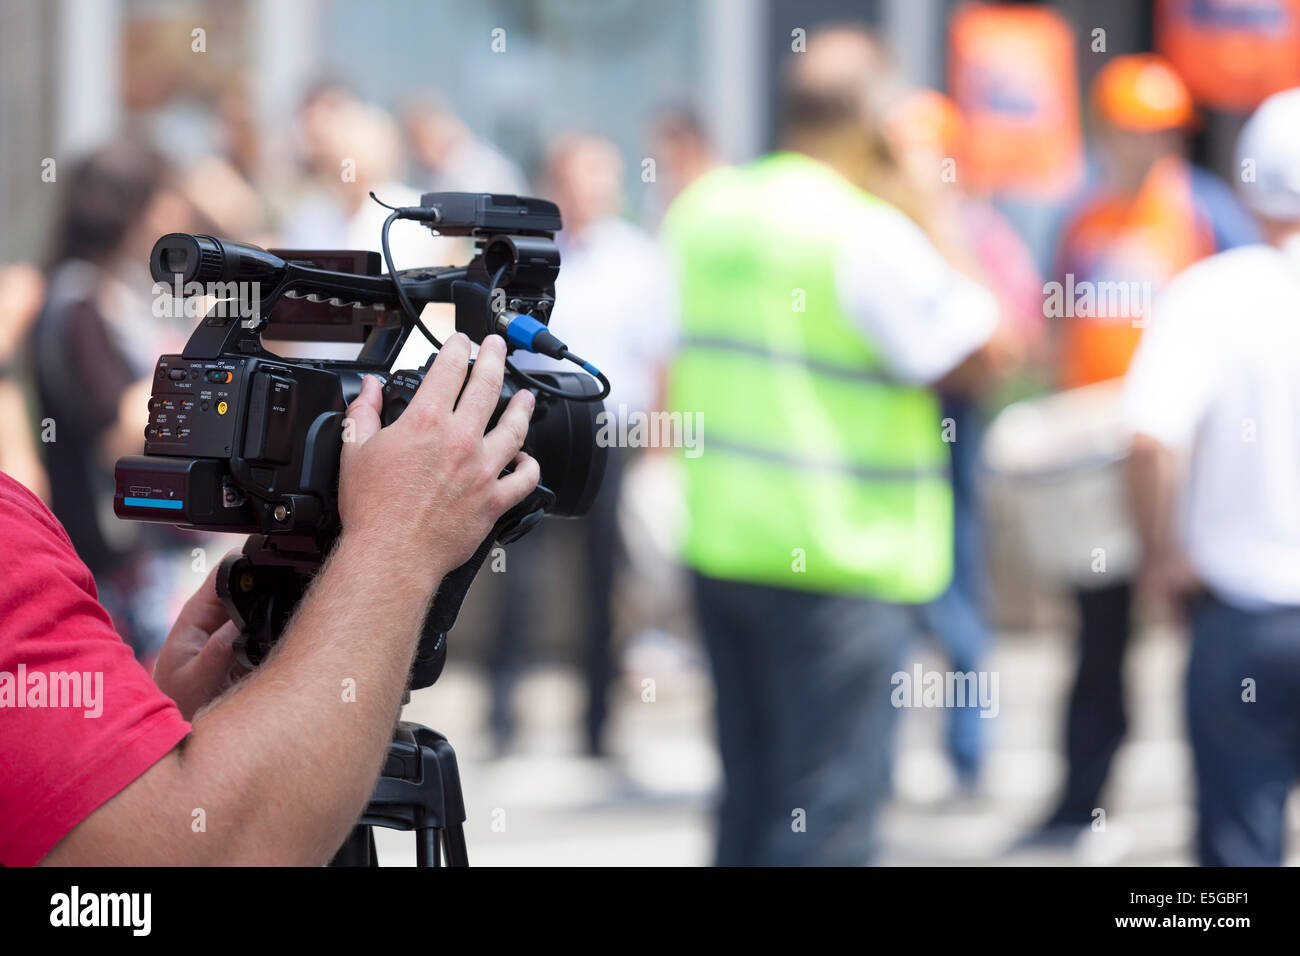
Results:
x,y
76,70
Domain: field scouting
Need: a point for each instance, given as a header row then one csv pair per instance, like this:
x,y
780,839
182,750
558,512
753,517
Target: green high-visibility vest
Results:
x,y
814,469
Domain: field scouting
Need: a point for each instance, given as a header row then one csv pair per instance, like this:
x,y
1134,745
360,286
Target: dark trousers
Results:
x,y
1096,721
508,652
1243,714
803,719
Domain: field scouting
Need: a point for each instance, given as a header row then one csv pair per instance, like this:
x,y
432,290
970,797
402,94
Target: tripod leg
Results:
x,y
358,849
426,847
457,854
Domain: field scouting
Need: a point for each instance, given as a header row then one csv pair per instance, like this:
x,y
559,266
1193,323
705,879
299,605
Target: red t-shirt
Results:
x,y
92,720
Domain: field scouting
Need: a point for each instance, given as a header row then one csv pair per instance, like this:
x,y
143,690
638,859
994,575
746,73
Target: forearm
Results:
x,y
291,755
282,765
1152,478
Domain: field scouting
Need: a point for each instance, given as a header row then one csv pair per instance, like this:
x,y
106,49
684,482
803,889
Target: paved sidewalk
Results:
x,y
544,805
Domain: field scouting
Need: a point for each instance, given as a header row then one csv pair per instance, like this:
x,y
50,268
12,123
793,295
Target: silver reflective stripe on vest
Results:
x,y
859,472
853,373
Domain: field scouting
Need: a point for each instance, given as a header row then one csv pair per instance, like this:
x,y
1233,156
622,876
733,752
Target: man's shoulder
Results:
x,y
1228,291
705,189
1230,273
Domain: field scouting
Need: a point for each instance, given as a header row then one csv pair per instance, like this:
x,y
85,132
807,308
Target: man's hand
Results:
x,y
1169,578
1154,473
429,487
197,661
988,365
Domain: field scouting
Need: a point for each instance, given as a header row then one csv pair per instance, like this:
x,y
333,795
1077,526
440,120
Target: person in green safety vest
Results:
x,y
816,321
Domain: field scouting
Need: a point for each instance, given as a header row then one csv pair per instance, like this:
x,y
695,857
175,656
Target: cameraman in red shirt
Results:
x,y
104,766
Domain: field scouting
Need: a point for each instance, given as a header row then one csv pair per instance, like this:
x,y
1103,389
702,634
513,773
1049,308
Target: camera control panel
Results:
x,y
194,407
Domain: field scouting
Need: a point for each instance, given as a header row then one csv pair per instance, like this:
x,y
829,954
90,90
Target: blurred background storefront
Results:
x,y
76,70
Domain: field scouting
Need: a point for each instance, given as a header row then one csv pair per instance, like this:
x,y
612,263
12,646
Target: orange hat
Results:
x,y
927,118
1143,93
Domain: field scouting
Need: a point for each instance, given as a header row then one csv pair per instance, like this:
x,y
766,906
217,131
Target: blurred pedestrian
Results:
x,y
927,129
815,320
1152,215
1213,398
94,348
352,149
22,288
612,295
682,151
446,155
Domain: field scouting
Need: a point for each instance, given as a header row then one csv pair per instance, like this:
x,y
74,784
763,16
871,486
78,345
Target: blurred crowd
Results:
x,y
835,515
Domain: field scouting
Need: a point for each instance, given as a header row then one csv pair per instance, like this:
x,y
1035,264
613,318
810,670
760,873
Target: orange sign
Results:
x,y
1012,71
1232,53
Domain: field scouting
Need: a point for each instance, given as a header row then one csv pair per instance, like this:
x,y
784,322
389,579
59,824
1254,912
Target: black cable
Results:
x,y
552,390
409,308
542,386
397,283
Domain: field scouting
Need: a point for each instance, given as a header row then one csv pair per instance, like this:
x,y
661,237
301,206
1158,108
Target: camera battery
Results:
x,y
270,419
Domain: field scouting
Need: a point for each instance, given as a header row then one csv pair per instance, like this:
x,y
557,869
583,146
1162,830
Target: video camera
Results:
x,y
244,440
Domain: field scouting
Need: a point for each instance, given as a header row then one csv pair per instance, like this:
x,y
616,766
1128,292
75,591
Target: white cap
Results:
x,y
1270,143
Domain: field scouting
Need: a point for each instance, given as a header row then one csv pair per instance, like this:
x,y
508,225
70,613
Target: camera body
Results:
x,y
243,440
243,445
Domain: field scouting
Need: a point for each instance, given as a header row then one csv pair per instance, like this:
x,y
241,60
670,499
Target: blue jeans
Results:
x,y
1247,752
957,617
803,719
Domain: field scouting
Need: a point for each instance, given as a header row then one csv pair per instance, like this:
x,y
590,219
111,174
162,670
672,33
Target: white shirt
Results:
x,y
613,306
1218,374
320,222
920,314
473,166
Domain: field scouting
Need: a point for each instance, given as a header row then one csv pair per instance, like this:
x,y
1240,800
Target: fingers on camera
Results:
x,y
479,399
504,441
514,487
364,412
437,393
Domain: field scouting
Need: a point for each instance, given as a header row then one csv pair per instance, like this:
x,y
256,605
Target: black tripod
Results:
x,y
419,786
418,790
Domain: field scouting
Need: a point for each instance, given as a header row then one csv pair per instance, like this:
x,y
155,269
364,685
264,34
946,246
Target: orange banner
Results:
x,y
1231,53
1012,72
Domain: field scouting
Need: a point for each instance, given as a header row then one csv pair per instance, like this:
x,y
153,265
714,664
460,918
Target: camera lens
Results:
x,y
563,438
